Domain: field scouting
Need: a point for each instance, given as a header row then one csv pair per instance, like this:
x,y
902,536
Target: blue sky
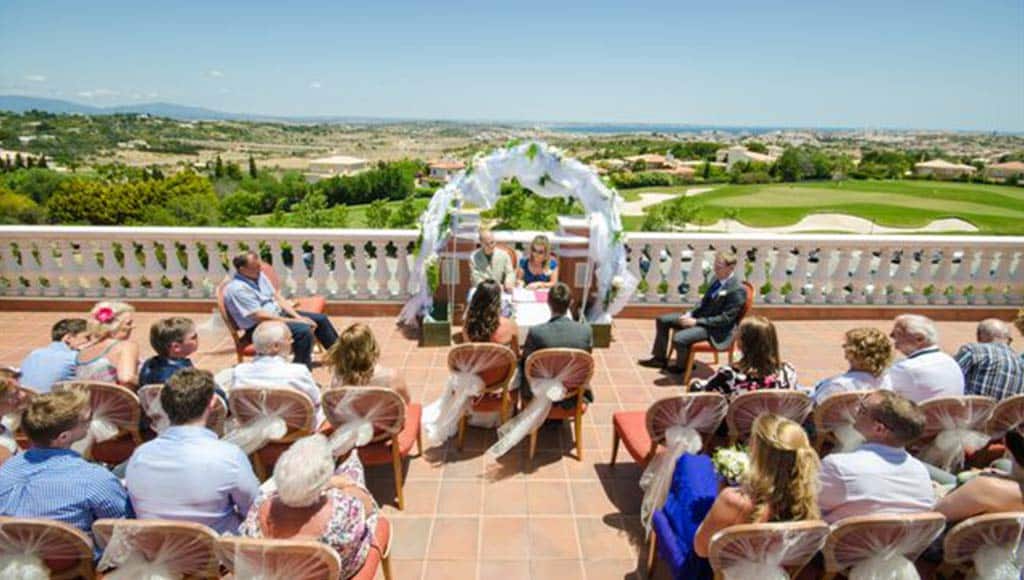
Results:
x,y
938,64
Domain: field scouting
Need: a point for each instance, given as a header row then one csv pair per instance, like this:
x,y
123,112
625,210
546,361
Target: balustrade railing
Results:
x,y
375,265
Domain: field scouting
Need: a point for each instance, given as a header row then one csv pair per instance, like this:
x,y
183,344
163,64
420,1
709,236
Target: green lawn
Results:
x,y
993,209
356,213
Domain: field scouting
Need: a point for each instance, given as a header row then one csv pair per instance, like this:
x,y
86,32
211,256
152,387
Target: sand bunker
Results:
x,y
835,222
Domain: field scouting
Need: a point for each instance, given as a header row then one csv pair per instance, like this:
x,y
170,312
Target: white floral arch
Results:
x,y
544,170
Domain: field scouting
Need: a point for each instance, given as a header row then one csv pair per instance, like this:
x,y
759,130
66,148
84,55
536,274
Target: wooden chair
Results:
x,y
705,347
149,400
1007,415
495,364
305,559
185,548
857,539
789,545
379,555
315,304
968,416
63,549
575,368
120,407
963,543
243,344
643,432
746,407
248,404
13,420
396,425
838,411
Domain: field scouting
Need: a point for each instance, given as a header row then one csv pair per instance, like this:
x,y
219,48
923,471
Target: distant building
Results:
x,y
740,154
445,169
652,161
1005,171
942,169
327,167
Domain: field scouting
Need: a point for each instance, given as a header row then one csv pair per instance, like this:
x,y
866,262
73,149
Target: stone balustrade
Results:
x,y
374,265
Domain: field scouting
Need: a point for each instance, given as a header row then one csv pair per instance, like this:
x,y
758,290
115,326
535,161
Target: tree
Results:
x,y
218,168
252,167
406,215
378,215
42,162
707,170
236,208
233,171
756,147
19,163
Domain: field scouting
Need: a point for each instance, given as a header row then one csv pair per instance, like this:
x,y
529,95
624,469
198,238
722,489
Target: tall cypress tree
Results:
x,y
252,167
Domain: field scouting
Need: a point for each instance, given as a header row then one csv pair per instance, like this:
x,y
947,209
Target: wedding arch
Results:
x,y
547,172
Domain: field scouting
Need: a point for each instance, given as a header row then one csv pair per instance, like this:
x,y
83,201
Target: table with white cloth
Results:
x,y
530,308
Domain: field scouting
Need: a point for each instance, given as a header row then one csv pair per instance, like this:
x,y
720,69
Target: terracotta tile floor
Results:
x,y
470,516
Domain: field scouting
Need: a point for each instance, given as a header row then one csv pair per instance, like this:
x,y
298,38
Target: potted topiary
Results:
x,y
436,327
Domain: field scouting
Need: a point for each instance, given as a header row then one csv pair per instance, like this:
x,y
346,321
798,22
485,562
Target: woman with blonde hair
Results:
x,y
781,484
110,357
869,352
761,366
354,362
538,269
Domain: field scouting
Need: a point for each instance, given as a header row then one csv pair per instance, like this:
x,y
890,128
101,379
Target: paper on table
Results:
x,y
524,295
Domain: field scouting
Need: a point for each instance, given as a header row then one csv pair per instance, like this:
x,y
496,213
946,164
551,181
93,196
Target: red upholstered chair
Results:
x,y
495,364
643,431
379,555
857,539
149,399
705,347
115,406
243,345
990,531
1008,415
747,407
396,425
306,559
250,404
575,368
954,429
184,548
833,419
315,304
791,544
64,549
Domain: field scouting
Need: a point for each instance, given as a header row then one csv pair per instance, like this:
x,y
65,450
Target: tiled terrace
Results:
x,y
469,516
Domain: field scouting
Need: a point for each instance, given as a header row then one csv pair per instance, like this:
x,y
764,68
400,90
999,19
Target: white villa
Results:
x,y
740,154
1005,171
942,169
445,169
326,167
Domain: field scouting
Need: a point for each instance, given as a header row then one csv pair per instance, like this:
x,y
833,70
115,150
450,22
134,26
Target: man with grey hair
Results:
x,y
271,366
990,366
926,372
492,263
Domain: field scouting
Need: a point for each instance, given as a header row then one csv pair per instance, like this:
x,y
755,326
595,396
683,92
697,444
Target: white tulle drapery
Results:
x,y
886,552
747,407
961,428
149,400
102,427
996,562
358,416
545,171
264,562
465,384
265,418
682,420
23,551
164,557
764,557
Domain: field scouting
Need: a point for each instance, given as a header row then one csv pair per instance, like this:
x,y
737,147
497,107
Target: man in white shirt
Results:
x,y
880,476
927,372
187,473
271,367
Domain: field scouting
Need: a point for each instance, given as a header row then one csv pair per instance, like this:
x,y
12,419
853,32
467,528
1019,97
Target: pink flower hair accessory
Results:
x,y
104,315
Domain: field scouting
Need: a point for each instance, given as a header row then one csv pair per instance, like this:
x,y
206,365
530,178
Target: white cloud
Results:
x,y
315,85
152,95
214,74
98,93
35,78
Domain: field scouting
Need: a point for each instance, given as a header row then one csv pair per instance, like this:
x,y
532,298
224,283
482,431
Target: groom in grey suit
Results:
x,y
714,319
559,332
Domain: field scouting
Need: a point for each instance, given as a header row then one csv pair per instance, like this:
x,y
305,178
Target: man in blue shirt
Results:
x,y
250,299
50,480
55,362
174,339
187,473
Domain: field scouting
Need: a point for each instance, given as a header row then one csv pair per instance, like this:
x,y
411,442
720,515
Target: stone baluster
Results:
x,y
633,265
31,267
654,273
778,275
882,277
759,275
320,274
922,276
342,274
174,269
132,270
299,272
962,278
402,289
51,271
943,276
821,275
10,270
92,269
216,271
981,277
196,272
901,278
861,275
382,274
840,276
675,272
111,284
1002,281
1016,276
799,278
362,271
71,267
152,270
696,276
277,263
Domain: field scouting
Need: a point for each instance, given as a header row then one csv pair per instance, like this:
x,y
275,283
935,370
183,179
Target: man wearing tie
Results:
x,y
714,319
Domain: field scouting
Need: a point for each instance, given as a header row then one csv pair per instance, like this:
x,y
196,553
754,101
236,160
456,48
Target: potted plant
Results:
x,y
436,327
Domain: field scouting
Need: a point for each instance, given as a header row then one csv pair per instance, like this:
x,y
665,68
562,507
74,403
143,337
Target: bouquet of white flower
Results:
x,y
731,463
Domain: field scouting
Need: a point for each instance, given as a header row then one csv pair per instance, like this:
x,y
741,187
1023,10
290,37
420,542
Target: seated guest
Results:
x,y
187,473
484,322
990,366
56,362
272,341
314,502
12,400
780,485
760,367
354,362
174,339
714,319
927,372
869,352
988,493
250,299
50,480
559,332
538,269
489,264
1019,323
111,357
879,476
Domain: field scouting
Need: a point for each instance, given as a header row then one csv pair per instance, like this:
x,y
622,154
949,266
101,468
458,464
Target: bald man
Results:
x,y
489,264
991,368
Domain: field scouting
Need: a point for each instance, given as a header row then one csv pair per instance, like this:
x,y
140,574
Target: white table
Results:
x,y
529,311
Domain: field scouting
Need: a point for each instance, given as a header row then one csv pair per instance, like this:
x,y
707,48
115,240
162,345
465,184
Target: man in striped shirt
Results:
x,y
50,480
990,366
